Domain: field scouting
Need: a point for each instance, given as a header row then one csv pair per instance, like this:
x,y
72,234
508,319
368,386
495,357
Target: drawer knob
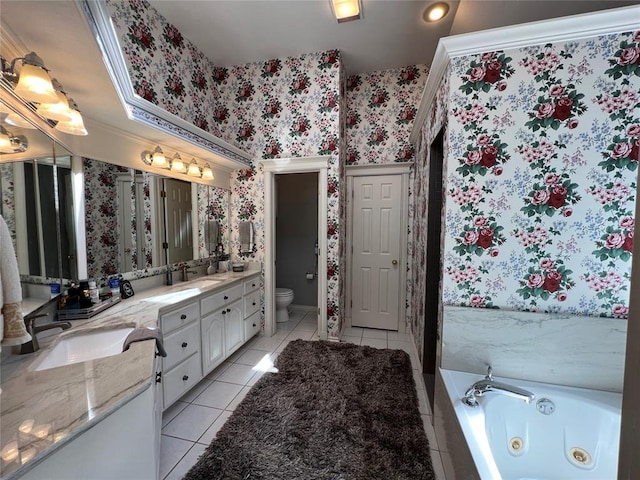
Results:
x,y
228,310
185,378
226,297
253,284
224,312
183,316
253,303
184,344
158,377
254,324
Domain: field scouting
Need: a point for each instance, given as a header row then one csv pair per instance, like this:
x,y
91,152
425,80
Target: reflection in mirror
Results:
x,y
37,204
118,219
213,210
124,220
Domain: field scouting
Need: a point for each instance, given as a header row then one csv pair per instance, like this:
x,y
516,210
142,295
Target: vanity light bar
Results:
x,y
158,159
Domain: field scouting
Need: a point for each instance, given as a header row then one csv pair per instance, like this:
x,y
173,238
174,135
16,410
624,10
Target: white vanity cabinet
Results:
x,y
201,334
251,308
181,368
221,326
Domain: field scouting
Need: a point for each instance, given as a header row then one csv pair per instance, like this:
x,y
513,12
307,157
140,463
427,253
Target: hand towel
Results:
x,y
246,237
13,331
142,334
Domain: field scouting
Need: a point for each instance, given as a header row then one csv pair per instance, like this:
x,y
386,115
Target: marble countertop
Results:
x,y
43,410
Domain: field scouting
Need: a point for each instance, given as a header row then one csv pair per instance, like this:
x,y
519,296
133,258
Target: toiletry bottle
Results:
x,y
93,292
114,286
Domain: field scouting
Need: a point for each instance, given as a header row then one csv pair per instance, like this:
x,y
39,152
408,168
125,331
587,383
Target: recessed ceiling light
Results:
x,y
436,12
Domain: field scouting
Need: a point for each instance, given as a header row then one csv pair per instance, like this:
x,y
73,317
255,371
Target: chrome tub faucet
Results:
x,y
488,384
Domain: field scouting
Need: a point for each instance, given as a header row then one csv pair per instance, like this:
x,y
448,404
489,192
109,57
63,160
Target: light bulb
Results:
x,y
207,173
177,165
194,169
158,159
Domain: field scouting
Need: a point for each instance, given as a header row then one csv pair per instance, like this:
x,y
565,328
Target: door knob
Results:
x,y
394,262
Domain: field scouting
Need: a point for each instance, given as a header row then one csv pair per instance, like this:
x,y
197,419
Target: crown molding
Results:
x,y
141,110
575,27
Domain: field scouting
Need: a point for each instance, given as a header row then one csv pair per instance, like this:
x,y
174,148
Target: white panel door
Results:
x,y
375,270
179,228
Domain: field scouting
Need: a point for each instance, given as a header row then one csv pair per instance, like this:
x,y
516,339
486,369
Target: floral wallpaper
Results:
x,y
381,107
7,198
276,108
292,111
542,168
213,204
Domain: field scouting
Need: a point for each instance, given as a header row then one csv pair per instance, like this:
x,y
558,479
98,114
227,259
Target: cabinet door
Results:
x,y
233,327
212,330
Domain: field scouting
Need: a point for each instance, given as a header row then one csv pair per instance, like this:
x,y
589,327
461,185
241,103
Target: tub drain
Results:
x,y
516,445
579,456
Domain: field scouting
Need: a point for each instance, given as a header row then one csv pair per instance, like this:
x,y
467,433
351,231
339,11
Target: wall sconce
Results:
x,y
207,173
34,85
158,159
16,120
177,165
346,10
155,158
59,111
75,126
194,169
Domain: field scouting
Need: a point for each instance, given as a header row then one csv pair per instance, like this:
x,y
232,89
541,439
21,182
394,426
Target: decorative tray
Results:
x,y
86,313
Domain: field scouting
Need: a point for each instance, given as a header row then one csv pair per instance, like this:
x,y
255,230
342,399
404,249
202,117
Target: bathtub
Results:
x,y
565,433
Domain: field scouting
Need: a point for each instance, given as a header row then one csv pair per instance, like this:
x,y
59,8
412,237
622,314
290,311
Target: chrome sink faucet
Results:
x,y
29,323
185,273
488,384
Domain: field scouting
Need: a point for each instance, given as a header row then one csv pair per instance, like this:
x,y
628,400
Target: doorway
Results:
x,y
433,266
297,237
273,167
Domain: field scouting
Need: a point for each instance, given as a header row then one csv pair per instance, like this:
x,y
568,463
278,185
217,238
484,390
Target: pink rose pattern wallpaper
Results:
x,y
213,204
101,223
381,107
543,155
7,196
276,108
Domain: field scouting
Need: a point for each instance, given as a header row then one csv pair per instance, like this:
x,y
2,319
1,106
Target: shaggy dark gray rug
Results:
x,y
333,411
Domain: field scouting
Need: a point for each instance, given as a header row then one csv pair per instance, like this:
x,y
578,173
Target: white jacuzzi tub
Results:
x,y
565,433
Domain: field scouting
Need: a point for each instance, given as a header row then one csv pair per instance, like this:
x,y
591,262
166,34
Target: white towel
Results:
x,y
10,292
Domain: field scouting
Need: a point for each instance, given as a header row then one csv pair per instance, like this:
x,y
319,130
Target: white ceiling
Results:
x,y
391,33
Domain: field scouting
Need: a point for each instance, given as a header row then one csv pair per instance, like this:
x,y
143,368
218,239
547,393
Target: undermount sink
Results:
x,y
82,346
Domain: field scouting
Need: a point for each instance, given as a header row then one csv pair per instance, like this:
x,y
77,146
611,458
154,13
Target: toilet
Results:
x,y
284,297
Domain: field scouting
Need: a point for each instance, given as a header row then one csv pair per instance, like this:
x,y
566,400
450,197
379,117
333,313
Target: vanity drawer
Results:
x,y
179,380
218,299
251,304
173,320
252,284
181,344
251,326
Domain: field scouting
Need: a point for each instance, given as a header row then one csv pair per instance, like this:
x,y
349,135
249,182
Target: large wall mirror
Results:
x,y
36,201
129,222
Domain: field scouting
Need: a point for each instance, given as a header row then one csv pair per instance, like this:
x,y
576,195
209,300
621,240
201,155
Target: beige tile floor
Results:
x,y
190,424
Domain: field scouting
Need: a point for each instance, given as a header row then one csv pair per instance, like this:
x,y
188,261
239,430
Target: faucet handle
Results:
x,y
489,375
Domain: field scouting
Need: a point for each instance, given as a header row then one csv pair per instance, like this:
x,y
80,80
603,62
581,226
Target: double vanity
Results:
x,y
102,416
